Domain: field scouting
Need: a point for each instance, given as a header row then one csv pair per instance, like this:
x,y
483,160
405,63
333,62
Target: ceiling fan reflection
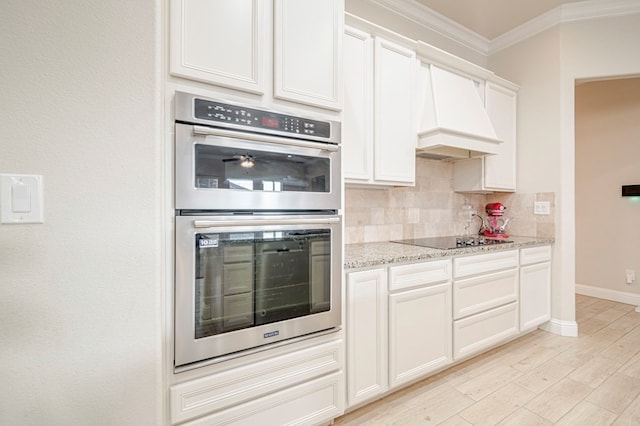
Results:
x,y
247,161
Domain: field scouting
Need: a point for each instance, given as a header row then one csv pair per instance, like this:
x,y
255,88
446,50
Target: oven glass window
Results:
x,y
250,279
252,170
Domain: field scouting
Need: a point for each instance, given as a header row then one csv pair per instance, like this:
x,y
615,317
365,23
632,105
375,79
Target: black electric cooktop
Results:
x,y
446,243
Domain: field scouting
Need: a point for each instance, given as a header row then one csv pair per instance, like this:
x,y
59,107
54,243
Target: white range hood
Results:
x,y
453,122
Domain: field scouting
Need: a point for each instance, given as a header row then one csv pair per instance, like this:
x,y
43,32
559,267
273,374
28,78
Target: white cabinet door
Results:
x,y
220,42
308,51
379,132
493,172
394,122
366,335
500,169
419,332
535,295
357,127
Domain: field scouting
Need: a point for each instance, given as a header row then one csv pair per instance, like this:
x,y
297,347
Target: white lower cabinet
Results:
x,y
535,286
473,334
315,402
485,301
366,335
419,332
305,386
400,333
407,321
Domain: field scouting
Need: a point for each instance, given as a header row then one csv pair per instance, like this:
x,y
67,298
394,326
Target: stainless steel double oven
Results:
x,y
258,230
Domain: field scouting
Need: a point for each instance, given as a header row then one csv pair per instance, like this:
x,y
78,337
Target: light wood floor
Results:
x,y
539,379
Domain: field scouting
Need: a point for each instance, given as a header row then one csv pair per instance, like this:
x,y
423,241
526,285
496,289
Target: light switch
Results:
x,y
21,199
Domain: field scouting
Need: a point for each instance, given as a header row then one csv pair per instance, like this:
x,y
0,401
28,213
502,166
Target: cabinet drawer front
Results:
x,y
472,265
315,402
478,294
478,332
535,255
406,276
242,384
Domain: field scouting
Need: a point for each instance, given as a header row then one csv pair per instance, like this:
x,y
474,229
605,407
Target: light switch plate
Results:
x,y
542,207
20,199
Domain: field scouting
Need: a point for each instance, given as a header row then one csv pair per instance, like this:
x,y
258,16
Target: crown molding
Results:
x,y
436,22
570,12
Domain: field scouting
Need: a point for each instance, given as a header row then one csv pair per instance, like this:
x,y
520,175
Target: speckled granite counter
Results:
x,y
385,253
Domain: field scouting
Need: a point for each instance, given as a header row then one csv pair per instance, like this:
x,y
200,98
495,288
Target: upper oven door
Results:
x,y
218,169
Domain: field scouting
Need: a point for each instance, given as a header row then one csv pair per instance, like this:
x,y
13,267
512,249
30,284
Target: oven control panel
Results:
x,y
236,116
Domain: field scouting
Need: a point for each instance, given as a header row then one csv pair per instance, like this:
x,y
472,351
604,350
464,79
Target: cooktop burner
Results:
x,y
446,243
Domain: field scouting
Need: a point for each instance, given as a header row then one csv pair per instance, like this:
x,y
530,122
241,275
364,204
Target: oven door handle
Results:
x,y
207,131
267,222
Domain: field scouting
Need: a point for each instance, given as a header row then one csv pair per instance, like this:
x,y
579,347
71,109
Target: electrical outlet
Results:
x,y
542,207
631,275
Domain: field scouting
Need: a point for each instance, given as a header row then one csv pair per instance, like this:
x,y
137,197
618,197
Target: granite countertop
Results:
x,y
386,253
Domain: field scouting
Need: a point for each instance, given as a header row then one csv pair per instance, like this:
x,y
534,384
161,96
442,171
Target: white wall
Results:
x,y
607,157
596,48
80,334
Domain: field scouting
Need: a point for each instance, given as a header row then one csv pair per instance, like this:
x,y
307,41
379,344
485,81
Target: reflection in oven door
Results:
x,y
282,280
224,287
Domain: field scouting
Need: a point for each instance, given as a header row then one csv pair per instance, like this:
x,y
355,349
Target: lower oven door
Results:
x,y
243,282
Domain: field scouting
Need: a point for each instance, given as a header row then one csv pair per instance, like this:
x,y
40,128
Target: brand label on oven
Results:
x,y
271,334
207,243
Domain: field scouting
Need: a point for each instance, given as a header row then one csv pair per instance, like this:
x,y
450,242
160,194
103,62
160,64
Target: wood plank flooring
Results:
x,y
538,379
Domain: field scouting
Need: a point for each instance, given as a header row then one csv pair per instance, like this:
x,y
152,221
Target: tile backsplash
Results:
x,y
432,209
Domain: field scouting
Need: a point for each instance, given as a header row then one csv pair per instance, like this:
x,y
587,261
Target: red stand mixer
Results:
x,y
493,226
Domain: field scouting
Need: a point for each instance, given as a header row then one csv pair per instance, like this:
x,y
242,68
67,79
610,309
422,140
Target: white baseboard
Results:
x,y
561,328
608,294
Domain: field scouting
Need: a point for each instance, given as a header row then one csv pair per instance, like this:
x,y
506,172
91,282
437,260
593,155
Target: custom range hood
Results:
x,y
453,121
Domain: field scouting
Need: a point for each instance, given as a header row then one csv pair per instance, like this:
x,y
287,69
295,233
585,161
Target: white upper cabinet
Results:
x,y
220,42
357,127
307,57
379,132
493,172
233,44
500,169
394,118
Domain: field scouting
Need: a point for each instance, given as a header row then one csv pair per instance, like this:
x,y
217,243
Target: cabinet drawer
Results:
x,y
481,331
315,402
406,276
535,255
239,385
481,263
478,294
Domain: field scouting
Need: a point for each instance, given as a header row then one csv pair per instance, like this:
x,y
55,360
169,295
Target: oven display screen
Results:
x,y
271,122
